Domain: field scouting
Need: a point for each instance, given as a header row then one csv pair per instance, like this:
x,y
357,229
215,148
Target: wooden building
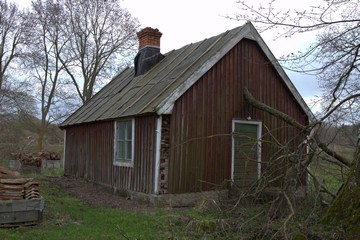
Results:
x,y
179,122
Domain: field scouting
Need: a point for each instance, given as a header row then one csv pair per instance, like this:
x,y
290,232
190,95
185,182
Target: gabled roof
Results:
x,y
157,90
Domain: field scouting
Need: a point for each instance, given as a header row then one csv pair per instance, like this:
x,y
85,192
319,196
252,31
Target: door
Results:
x,y
246,149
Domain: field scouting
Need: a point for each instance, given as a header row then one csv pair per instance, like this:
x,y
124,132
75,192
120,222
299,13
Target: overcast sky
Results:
x,y
187,21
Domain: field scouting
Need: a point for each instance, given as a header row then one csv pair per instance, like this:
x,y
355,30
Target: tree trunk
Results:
x,y
41,135
39,145
345,209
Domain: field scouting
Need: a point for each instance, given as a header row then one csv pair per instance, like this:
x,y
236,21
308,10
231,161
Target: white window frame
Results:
x,y
259,133
119,162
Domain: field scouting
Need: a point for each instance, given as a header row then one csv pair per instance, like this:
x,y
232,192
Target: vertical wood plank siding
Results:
x,y
90,152
200,124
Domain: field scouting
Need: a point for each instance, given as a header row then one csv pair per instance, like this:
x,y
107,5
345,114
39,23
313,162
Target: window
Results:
x,y
124,142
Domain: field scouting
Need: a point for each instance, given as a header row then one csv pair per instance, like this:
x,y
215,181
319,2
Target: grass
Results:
x,y
66,217
345,151
330,175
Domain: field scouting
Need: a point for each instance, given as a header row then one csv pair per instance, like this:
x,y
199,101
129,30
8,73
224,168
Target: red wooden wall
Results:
x,y
201,121
90,152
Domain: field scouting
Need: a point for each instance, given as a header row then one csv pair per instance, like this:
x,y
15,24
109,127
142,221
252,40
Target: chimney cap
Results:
x,y
149,37
149,30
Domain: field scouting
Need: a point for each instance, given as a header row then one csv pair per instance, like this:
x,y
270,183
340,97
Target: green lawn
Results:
x,y
66,217
331,175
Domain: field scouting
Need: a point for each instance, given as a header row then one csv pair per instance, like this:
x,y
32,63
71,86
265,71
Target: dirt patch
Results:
x,y
96,195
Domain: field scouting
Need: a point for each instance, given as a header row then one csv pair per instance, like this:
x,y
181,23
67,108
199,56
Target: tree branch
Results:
x,y
306,129
273,111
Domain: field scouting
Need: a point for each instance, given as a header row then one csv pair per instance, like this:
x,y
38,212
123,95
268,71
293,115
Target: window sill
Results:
x,y
123,164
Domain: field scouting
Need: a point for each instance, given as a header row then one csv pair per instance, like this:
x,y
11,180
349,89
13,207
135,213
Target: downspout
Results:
x,y
157,154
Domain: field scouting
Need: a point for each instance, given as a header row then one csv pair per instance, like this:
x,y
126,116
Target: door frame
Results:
x,y
259,132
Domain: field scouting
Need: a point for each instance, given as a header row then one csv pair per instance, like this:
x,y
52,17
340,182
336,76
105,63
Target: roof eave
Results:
x,y
247,31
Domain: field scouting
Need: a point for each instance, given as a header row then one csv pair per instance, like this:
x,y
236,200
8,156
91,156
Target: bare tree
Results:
x,y
15,104
334,55
42,58
14,98
333,58
70,46
11,32
101,37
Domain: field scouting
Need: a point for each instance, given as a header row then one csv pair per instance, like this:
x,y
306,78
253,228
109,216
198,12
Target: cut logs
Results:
x,y
15,187
49,155
35,159
35,162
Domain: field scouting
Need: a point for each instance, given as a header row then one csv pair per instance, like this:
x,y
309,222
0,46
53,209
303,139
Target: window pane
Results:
x,y
129,131
121,130
121,150
116,150
128,150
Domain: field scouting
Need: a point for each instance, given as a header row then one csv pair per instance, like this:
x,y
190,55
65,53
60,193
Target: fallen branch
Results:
x,y
262,106
306,129
290,216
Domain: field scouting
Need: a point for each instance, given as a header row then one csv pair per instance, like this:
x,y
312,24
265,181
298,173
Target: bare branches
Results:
x,y
99,33
338,105
11,36
294,20
333,57
67,48
42,58
251,100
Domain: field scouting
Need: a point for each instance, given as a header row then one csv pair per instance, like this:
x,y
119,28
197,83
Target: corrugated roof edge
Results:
x,y
65,123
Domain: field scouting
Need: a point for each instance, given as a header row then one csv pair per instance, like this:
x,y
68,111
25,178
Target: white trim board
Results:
x,y
158,154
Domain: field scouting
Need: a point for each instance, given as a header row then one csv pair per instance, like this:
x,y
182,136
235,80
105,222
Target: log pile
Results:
x,y
35,159
49,155
15,187
28,159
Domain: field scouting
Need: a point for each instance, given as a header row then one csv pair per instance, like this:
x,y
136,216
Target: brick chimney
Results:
x,y
149,37
149,50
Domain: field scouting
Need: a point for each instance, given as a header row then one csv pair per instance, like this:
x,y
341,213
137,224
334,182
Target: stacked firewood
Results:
x,y
15,187
49,155
28,159
35,159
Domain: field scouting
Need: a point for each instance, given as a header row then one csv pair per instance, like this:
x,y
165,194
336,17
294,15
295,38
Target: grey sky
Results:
x,y
187,21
